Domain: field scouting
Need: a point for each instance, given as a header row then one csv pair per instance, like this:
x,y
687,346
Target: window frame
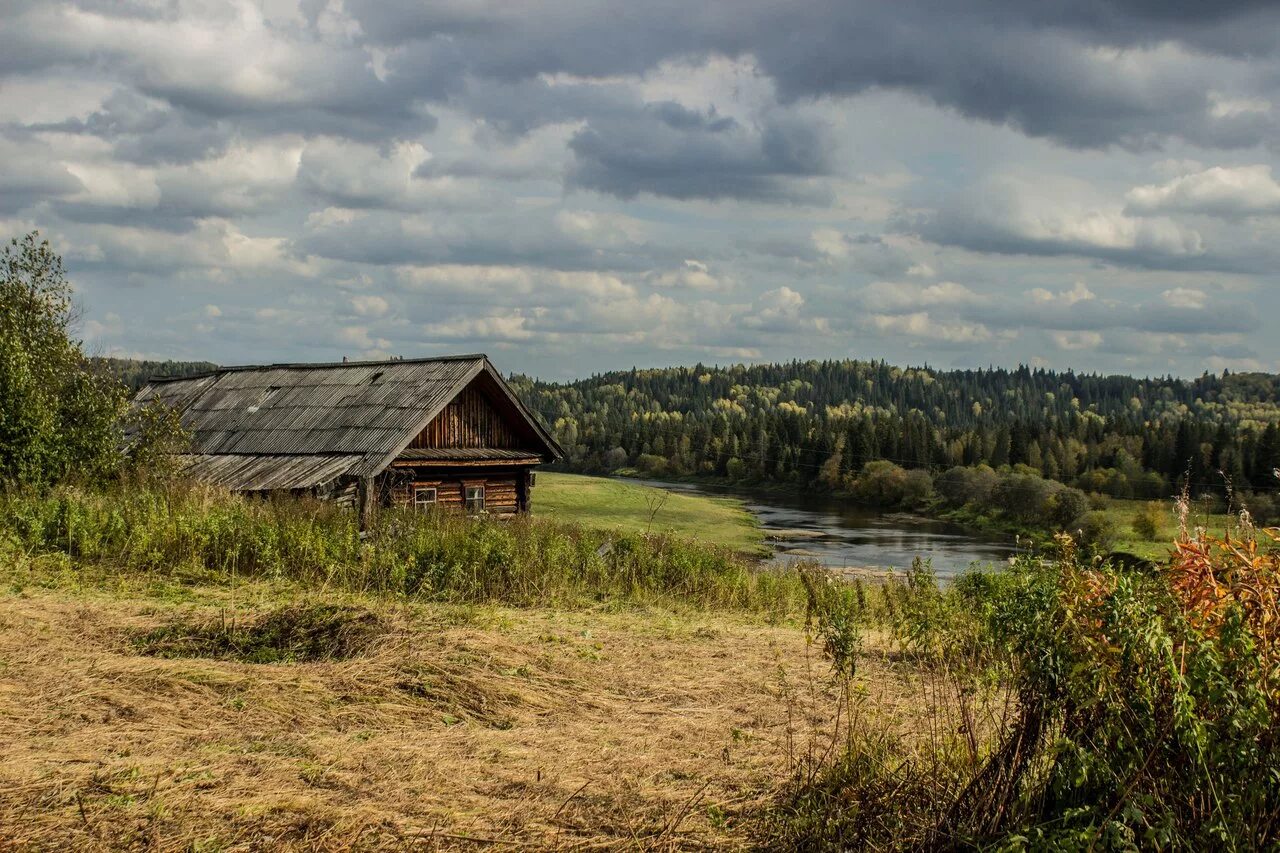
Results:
x,y
469,502
424,505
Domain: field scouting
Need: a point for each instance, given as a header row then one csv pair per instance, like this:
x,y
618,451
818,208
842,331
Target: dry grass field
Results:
x,y
448,727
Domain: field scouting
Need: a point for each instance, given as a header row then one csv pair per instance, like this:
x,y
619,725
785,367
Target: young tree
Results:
x,y
1146,521
59,415
155,443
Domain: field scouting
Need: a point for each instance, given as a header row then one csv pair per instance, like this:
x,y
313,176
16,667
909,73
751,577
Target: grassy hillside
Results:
x,y
610,504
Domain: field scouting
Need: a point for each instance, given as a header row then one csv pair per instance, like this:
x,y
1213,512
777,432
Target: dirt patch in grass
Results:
x,y
309,632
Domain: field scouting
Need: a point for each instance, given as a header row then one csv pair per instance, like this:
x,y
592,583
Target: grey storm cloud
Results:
x,y
145,131
28,179
1038,67
672,151
599,179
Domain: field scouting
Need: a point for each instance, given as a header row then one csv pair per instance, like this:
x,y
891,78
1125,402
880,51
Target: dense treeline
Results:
x,y
134,373
818,424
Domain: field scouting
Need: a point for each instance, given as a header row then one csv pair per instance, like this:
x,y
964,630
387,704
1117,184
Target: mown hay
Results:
x,y
290,634
461,726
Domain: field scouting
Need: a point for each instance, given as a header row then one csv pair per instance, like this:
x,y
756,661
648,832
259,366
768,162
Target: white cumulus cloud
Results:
x,y
1219,191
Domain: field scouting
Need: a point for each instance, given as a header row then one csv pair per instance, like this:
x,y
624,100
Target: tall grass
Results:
x,y
1070,705
181,529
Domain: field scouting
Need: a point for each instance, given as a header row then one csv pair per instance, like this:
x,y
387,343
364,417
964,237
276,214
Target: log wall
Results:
x,y
500,492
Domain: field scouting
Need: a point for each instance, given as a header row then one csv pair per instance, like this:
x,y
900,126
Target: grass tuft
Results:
x,y
292,634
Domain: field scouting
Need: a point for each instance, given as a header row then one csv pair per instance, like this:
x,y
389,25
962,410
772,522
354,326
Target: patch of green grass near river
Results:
x,y
607,503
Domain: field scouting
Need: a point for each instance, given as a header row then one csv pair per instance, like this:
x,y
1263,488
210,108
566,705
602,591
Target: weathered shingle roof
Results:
x,y
362,413
248,473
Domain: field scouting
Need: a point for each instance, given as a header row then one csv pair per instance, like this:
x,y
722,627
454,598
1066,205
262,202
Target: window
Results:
x,y
475,498
424,497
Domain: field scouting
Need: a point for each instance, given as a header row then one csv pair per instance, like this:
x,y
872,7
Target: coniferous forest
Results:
x,y
134,373
825,424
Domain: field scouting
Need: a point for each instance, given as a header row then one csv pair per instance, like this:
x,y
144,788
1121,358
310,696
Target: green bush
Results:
x,y
885,484
1023,497
1146,521
1147,715
59,412
1150,732
960,486
1095,530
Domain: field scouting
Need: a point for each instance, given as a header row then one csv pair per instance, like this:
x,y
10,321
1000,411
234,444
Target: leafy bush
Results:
x,y
59,413
959,486
1095,530
1146,521
652,464
1064,506
1023,497
1161,693
1147,714
885,484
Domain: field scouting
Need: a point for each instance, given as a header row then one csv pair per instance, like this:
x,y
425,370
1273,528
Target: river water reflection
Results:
x,y
842,535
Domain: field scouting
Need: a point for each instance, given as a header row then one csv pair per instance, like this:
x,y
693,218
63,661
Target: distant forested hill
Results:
x,y
818,423
134,373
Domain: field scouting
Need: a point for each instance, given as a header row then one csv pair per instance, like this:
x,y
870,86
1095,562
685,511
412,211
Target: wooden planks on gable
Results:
x,y
469,420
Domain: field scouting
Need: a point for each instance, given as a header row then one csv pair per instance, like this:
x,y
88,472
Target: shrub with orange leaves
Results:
x,y
1150,701
1147,712
1214,579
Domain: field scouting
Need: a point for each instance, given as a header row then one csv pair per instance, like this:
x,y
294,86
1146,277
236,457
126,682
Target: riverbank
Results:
x,y
1114,518
855,540
978,523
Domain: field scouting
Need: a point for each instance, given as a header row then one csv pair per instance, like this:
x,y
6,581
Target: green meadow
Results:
x,y
1121,514
609,504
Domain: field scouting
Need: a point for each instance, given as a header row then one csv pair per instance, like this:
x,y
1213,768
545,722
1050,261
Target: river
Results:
x,y
845,536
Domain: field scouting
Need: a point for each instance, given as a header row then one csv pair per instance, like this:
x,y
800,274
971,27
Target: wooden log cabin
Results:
x,y
421,433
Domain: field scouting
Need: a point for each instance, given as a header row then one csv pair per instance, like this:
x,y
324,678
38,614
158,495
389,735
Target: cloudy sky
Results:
x,y
572,185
